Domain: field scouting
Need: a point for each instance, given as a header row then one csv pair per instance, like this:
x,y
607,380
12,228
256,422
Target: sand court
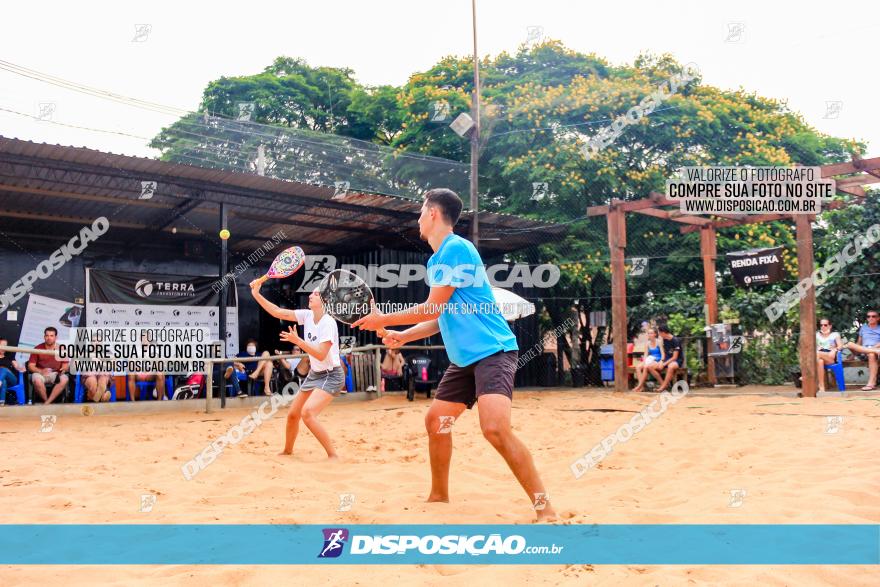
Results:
x,y
732,460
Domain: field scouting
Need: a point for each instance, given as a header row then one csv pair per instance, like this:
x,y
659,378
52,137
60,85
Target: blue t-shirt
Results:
x,y
870,336
471,324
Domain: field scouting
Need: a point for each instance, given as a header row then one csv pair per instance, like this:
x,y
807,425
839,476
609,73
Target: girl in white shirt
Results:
x,y
828,344
325,379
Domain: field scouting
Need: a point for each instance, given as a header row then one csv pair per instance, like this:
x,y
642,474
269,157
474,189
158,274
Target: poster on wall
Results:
x,y
756,266
42,312
124,298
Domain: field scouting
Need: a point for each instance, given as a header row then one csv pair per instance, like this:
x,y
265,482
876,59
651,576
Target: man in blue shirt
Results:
x,y
480,344
869,344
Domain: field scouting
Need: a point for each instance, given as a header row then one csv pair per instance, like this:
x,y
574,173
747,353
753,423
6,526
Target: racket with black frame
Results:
x,y
347,297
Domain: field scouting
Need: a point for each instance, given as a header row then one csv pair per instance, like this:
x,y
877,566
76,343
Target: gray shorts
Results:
x,y
332,381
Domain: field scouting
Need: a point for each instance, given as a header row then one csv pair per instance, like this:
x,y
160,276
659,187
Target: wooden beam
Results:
x,y
754,219
853,190
698,219
807,345
709,252
655,200
850,167
671,215
617,245
864,179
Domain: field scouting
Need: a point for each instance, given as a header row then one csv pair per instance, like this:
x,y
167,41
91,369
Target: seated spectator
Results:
x,y
46,369
9,370
392,364
96,385
157,378
653,354
868,344
673,359
300,365
230,376
253,368
392,370
828,344
153,377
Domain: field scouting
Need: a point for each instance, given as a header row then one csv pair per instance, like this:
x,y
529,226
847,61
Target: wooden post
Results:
x,y
209,390
709,252
617,245
807,345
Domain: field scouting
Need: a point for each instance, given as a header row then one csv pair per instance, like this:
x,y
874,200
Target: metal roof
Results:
x,y
43,186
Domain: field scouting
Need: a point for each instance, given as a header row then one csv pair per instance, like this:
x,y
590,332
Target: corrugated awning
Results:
x,y
45,187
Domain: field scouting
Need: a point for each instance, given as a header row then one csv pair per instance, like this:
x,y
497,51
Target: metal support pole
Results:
x,y
209,391
475,138
222,311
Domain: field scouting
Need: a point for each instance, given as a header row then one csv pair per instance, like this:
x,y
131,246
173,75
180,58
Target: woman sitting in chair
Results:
x,y
828,344
392,364
654,354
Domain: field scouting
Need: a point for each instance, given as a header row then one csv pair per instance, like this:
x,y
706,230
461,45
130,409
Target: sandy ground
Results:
x,y
680,469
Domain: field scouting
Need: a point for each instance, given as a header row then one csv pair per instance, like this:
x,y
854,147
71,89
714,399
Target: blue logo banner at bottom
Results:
x,y
269,544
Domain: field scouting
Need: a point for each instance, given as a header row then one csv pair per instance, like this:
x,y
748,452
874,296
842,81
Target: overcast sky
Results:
x,y
808,54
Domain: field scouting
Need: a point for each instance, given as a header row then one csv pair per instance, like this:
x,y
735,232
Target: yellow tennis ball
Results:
x,y
224,234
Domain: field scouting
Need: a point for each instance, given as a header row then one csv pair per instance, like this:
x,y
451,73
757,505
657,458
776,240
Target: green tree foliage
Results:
x,y
540,106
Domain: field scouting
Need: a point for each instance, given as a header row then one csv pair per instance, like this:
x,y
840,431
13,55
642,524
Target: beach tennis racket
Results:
x,y
285,264
346,297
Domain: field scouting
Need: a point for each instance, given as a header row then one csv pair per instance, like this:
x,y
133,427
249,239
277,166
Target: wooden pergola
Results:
x,y
857,173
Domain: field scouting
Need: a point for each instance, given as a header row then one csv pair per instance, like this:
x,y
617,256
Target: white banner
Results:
x,y
43,312
120,315
118,299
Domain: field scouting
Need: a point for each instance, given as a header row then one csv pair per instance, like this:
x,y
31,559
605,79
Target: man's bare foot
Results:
x,y
437,498
332,457
546,515
285,452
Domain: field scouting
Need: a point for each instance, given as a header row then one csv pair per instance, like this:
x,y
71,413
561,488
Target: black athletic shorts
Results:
x,y
493,374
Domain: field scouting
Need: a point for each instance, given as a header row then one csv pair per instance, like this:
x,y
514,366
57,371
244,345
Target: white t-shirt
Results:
x,y
315,334
826,343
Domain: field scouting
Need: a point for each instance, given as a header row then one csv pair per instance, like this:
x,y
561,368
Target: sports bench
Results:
x,y
680,374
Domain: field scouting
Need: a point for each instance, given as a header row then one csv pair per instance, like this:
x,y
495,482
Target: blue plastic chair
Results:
x,y
146,389
242,379
18,389
79,390
349,375
837,369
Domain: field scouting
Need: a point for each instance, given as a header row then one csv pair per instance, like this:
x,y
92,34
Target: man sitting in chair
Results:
x,y
869,344
47,369
674,358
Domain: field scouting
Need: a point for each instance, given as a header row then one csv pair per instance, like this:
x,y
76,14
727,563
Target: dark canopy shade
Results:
x,y
48,191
